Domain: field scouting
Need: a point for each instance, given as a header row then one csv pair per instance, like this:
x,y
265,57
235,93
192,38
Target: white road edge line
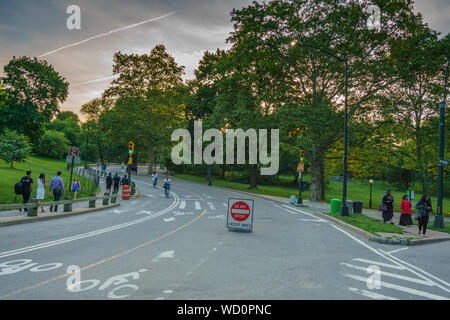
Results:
x,y
88,234
371,294
304,212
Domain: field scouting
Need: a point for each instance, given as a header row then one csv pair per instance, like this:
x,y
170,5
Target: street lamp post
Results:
x,y
370,200
439,220
344,208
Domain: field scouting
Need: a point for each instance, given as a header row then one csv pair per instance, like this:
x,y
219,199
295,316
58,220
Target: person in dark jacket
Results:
x,y
116,180
109,182
124,180
423,213
27,188
388,201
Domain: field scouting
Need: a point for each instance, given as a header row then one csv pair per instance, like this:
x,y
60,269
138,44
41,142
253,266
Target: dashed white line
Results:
x,y
182,204
211,205
197,205
371,294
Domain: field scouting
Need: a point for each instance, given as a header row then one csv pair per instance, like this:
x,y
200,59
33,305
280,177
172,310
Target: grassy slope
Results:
x,y
356,190
9,177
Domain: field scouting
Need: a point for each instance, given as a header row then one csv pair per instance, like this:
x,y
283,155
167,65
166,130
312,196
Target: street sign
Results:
x,y
240,214
73,151
301,167
76,160
443,162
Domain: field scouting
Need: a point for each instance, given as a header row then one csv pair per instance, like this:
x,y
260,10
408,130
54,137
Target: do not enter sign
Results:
x,y
240,214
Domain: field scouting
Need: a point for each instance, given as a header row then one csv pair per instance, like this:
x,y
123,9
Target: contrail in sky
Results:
x,y
105,34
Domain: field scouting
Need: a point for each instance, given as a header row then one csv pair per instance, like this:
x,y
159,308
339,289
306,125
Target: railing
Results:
x,y
34,206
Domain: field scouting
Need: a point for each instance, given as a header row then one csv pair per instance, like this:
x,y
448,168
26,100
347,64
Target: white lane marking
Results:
x,y
88,234
399,288
182,204
197,205
310,220
371,294
145,212
168,291
160,298
217,217
211,205
390,252
164,255
379,264
396,261
389,274
169,219
421,271
118,211
304,212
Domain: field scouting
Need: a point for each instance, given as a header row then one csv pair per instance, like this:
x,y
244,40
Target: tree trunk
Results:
x,y
150,153
295,179
317,170
253,176
12,164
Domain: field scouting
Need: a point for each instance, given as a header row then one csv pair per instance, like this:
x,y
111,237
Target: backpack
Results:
x,y
18,187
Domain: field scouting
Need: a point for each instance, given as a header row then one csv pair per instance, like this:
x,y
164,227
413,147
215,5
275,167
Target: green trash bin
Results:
x,y
335,204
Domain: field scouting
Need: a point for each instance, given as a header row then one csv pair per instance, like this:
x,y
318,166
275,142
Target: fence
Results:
x,y
34,206
92,176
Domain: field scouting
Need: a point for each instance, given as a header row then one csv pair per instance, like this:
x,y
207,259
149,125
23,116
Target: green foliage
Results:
x,y
53,145
14,147
35,91
68,127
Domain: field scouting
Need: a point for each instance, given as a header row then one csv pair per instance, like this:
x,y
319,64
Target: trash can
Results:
x,y
357,206
292,199
335,204
350,206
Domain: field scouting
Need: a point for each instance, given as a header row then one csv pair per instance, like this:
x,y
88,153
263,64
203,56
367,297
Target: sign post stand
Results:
x,y
73,152
240,214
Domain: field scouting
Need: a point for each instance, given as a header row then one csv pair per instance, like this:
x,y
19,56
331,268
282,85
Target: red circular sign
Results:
x,y
240,211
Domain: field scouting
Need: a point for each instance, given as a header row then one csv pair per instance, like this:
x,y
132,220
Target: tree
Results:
x,y
148,87
68,115
53,144
68,127
35,90
14,147
304,88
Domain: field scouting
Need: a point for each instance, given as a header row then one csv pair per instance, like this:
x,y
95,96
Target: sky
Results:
x,y
84,56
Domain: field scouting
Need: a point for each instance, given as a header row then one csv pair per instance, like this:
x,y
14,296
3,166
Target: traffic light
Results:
x,y
302,155
130,148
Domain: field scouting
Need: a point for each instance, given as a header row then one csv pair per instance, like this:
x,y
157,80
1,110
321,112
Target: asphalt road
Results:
x,y
180,248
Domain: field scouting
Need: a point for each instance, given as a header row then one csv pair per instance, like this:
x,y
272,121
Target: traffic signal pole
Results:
x,y
300,200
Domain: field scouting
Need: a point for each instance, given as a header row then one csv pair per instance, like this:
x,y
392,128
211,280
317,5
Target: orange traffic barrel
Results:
x,y
126,192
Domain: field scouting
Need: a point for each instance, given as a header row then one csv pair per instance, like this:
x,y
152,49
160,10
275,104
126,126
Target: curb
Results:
x,y
21,219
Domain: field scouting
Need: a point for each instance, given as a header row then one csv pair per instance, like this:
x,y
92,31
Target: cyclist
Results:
x,y
154,178
166,185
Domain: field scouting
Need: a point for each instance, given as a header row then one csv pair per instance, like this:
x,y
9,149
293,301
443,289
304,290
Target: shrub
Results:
x,y
54,145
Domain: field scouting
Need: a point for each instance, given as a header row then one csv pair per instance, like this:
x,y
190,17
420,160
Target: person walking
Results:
x,y
166,185
76,186
27,188
109,182
423,213
154,178
405,217
116,181
41,186
124,180
57,185
387,207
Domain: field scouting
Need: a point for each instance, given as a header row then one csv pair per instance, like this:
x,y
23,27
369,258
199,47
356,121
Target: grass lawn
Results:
x,y
432,227
368,224
356,190
10,176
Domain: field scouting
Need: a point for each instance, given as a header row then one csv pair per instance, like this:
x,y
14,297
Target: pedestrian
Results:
x,y
27,188
41,186
124,180
116,180
387,207
122,166
154,178
405,217
109,182
57,185
423,213
166,185
76,186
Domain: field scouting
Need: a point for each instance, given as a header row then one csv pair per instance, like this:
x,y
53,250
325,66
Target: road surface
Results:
x,y
156,248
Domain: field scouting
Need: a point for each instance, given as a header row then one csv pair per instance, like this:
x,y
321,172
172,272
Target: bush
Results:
x,y
54,145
